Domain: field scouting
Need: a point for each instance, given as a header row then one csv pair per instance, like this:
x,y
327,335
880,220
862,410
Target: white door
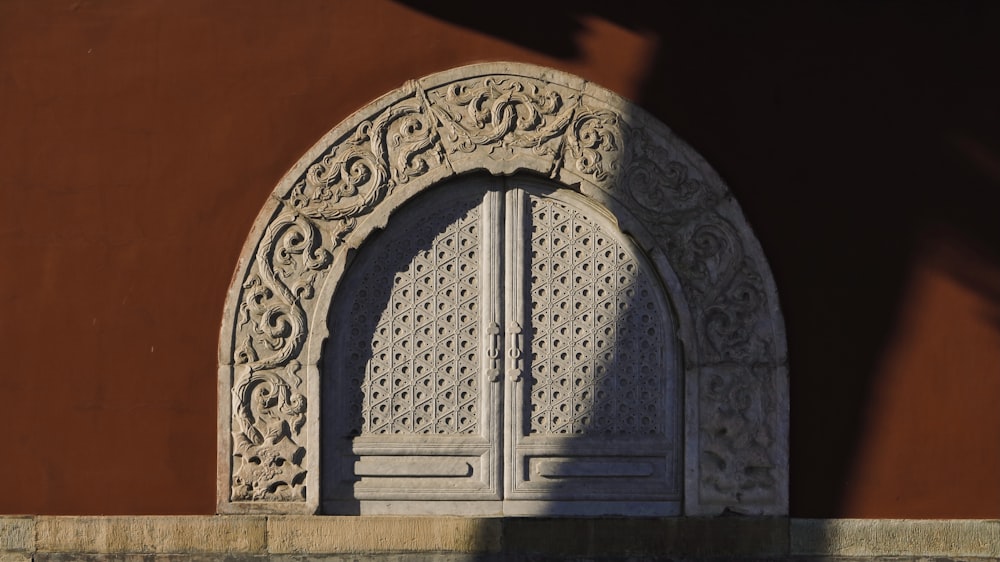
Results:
x,y
501,348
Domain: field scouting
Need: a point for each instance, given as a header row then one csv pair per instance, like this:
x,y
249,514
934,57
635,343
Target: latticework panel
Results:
x,y
416,356
597,330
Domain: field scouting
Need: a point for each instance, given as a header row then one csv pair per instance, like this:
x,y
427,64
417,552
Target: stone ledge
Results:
x,y
152,534
256,537
894,537
17,534
312,534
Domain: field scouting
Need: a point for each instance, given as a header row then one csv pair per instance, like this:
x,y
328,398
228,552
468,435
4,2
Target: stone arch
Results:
x,y
504,119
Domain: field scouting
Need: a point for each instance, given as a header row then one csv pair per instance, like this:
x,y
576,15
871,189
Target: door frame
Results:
x,y
504,118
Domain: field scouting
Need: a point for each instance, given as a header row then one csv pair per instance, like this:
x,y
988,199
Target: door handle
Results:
x,y
516,342
494,352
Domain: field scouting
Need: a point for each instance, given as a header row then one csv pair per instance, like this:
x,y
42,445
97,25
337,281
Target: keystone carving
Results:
x,y
502,118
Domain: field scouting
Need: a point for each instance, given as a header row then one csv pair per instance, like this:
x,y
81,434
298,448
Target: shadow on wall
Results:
x,y
851,134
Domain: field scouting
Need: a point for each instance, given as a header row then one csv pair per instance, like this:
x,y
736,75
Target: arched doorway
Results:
x,y
630,179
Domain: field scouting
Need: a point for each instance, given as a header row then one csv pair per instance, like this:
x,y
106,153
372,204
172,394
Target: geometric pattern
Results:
x,y
597,339
416,356
597,331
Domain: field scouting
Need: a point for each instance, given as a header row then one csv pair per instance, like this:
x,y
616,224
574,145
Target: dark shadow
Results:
x,y
602,378
831,123
847,131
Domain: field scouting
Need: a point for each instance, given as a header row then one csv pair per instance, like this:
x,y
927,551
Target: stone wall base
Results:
x,y
454,539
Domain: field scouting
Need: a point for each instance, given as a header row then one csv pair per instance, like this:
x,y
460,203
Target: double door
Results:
x,y
501,347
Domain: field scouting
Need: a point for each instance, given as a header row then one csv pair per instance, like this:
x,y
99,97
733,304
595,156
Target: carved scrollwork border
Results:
x,y
504,118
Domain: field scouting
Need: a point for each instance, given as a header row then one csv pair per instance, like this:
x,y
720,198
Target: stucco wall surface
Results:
x,y
140,140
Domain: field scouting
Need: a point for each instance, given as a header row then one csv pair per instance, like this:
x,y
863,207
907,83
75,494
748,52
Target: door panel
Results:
x,y
505,345
410,361
595,418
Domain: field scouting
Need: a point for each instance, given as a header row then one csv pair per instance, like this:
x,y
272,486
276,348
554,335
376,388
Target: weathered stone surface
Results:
x,y
296,534
450,539
17,534
887,537
189,534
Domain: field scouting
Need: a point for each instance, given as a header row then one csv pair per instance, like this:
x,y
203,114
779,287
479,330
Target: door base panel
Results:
x,y
509,508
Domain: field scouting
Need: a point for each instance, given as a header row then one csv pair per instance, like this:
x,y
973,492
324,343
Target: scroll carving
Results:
x,y
594,145
270,410
268,403
729,295
737,438
504,115
353,177
273,322
627,162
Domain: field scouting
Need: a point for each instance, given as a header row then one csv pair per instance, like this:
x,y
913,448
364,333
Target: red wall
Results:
x,y
140,139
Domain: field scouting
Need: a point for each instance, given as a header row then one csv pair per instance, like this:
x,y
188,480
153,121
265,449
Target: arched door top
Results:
x,y
503,118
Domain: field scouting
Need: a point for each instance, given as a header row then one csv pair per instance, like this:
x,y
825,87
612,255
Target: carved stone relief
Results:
x,y
421,315
592,299
502,118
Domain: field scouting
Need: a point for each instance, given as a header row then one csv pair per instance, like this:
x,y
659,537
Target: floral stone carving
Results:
x,y
504,118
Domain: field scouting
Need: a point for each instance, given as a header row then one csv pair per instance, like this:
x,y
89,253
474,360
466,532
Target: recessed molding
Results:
x,y
504,119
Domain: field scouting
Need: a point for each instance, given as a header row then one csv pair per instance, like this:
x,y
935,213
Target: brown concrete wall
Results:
x,y
139,140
